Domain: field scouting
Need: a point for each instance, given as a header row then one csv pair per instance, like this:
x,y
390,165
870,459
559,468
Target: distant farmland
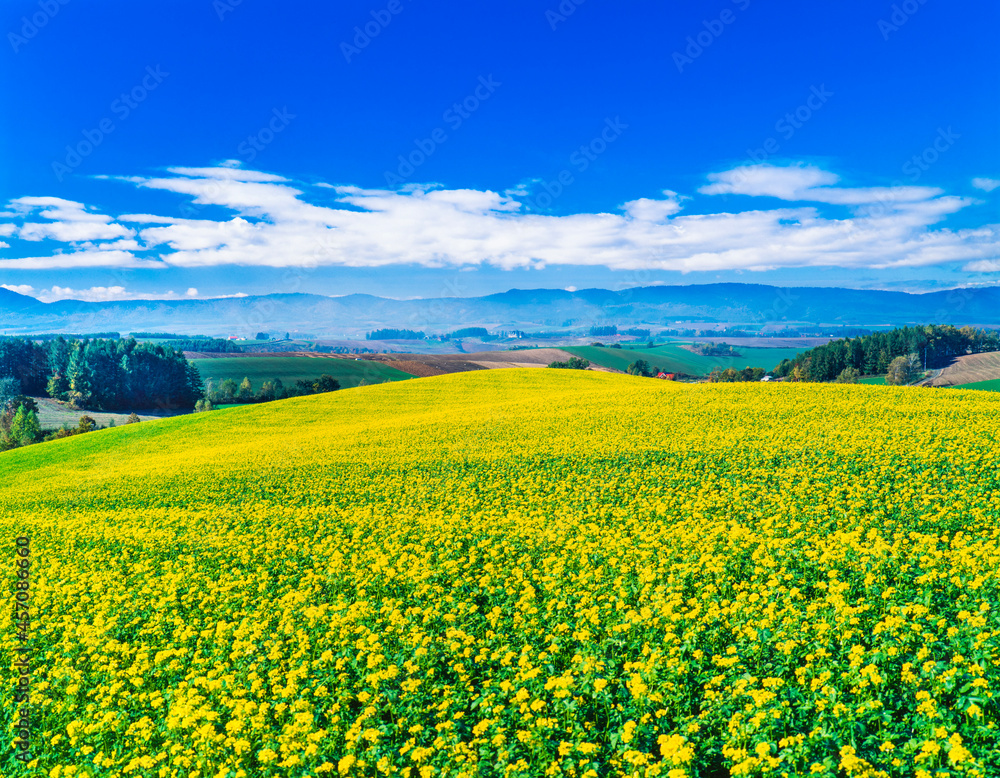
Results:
x,y
348,372
970,369
983,386
674,359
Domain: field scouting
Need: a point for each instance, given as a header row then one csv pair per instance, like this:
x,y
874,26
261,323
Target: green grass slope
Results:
x,y
992,385
673,359
348,372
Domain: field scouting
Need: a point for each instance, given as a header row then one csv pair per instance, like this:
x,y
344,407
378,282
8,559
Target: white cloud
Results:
x,y
786,183
149,218
648,210
19,288
192,292
106,294
71,232
79,259
228,172
986,184
273,224
69,221
93,294
4,245
806,183
983,266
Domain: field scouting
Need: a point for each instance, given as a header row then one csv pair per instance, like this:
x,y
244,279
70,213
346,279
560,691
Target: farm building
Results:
x,y
667,376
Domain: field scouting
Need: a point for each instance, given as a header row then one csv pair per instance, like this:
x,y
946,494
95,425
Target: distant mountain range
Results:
x,y
529,310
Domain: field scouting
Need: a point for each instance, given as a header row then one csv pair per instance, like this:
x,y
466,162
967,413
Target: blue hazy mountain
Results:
x,y
524,309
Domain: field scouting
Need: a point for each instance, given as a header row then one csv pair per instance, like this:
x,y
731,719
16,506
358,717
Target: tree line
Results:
x,y
573,363
194,343
228,392
394,334
102,375
933,346
76,336
712,349
731,375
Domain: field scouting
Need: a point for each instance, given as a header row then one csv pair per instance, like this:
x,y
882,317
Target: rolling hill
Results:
x,y
354,315
672,358
260,368
498,571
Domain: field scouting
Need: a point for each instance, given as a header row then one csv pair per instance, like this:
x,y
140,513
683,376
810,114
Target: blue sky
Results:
x,y
411,148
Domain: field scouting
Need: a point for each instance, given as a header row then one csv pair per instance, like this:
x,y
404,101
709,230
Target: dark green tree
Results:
x,y
227,390
325,383
849,375
10,388
639,367
24,428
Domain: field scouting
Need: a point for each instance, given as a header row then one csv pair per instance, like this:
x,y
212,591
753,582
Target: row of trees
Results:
x,y
731,375
469,332
206,345
712,349
394,334
573,363
73,336
934,345
228,391
643,368
19,423
103,375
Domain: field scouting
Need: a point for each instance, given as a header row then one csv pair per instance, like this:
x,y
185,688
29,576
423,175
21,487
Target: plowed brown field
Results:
x,y
427,364
969,368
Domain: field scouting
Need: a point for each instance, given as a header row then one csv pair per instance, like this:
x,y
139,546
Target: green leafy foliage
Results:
x,y
935,345
573,363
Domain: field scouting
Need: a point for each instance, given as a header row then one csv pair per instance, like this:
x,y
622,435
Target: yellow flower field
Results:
x,y
518,573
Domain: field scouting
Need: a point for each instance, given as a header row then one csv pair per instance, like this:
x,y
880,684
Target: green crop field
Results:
x,y
291,369
873,380
983,386
674,359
